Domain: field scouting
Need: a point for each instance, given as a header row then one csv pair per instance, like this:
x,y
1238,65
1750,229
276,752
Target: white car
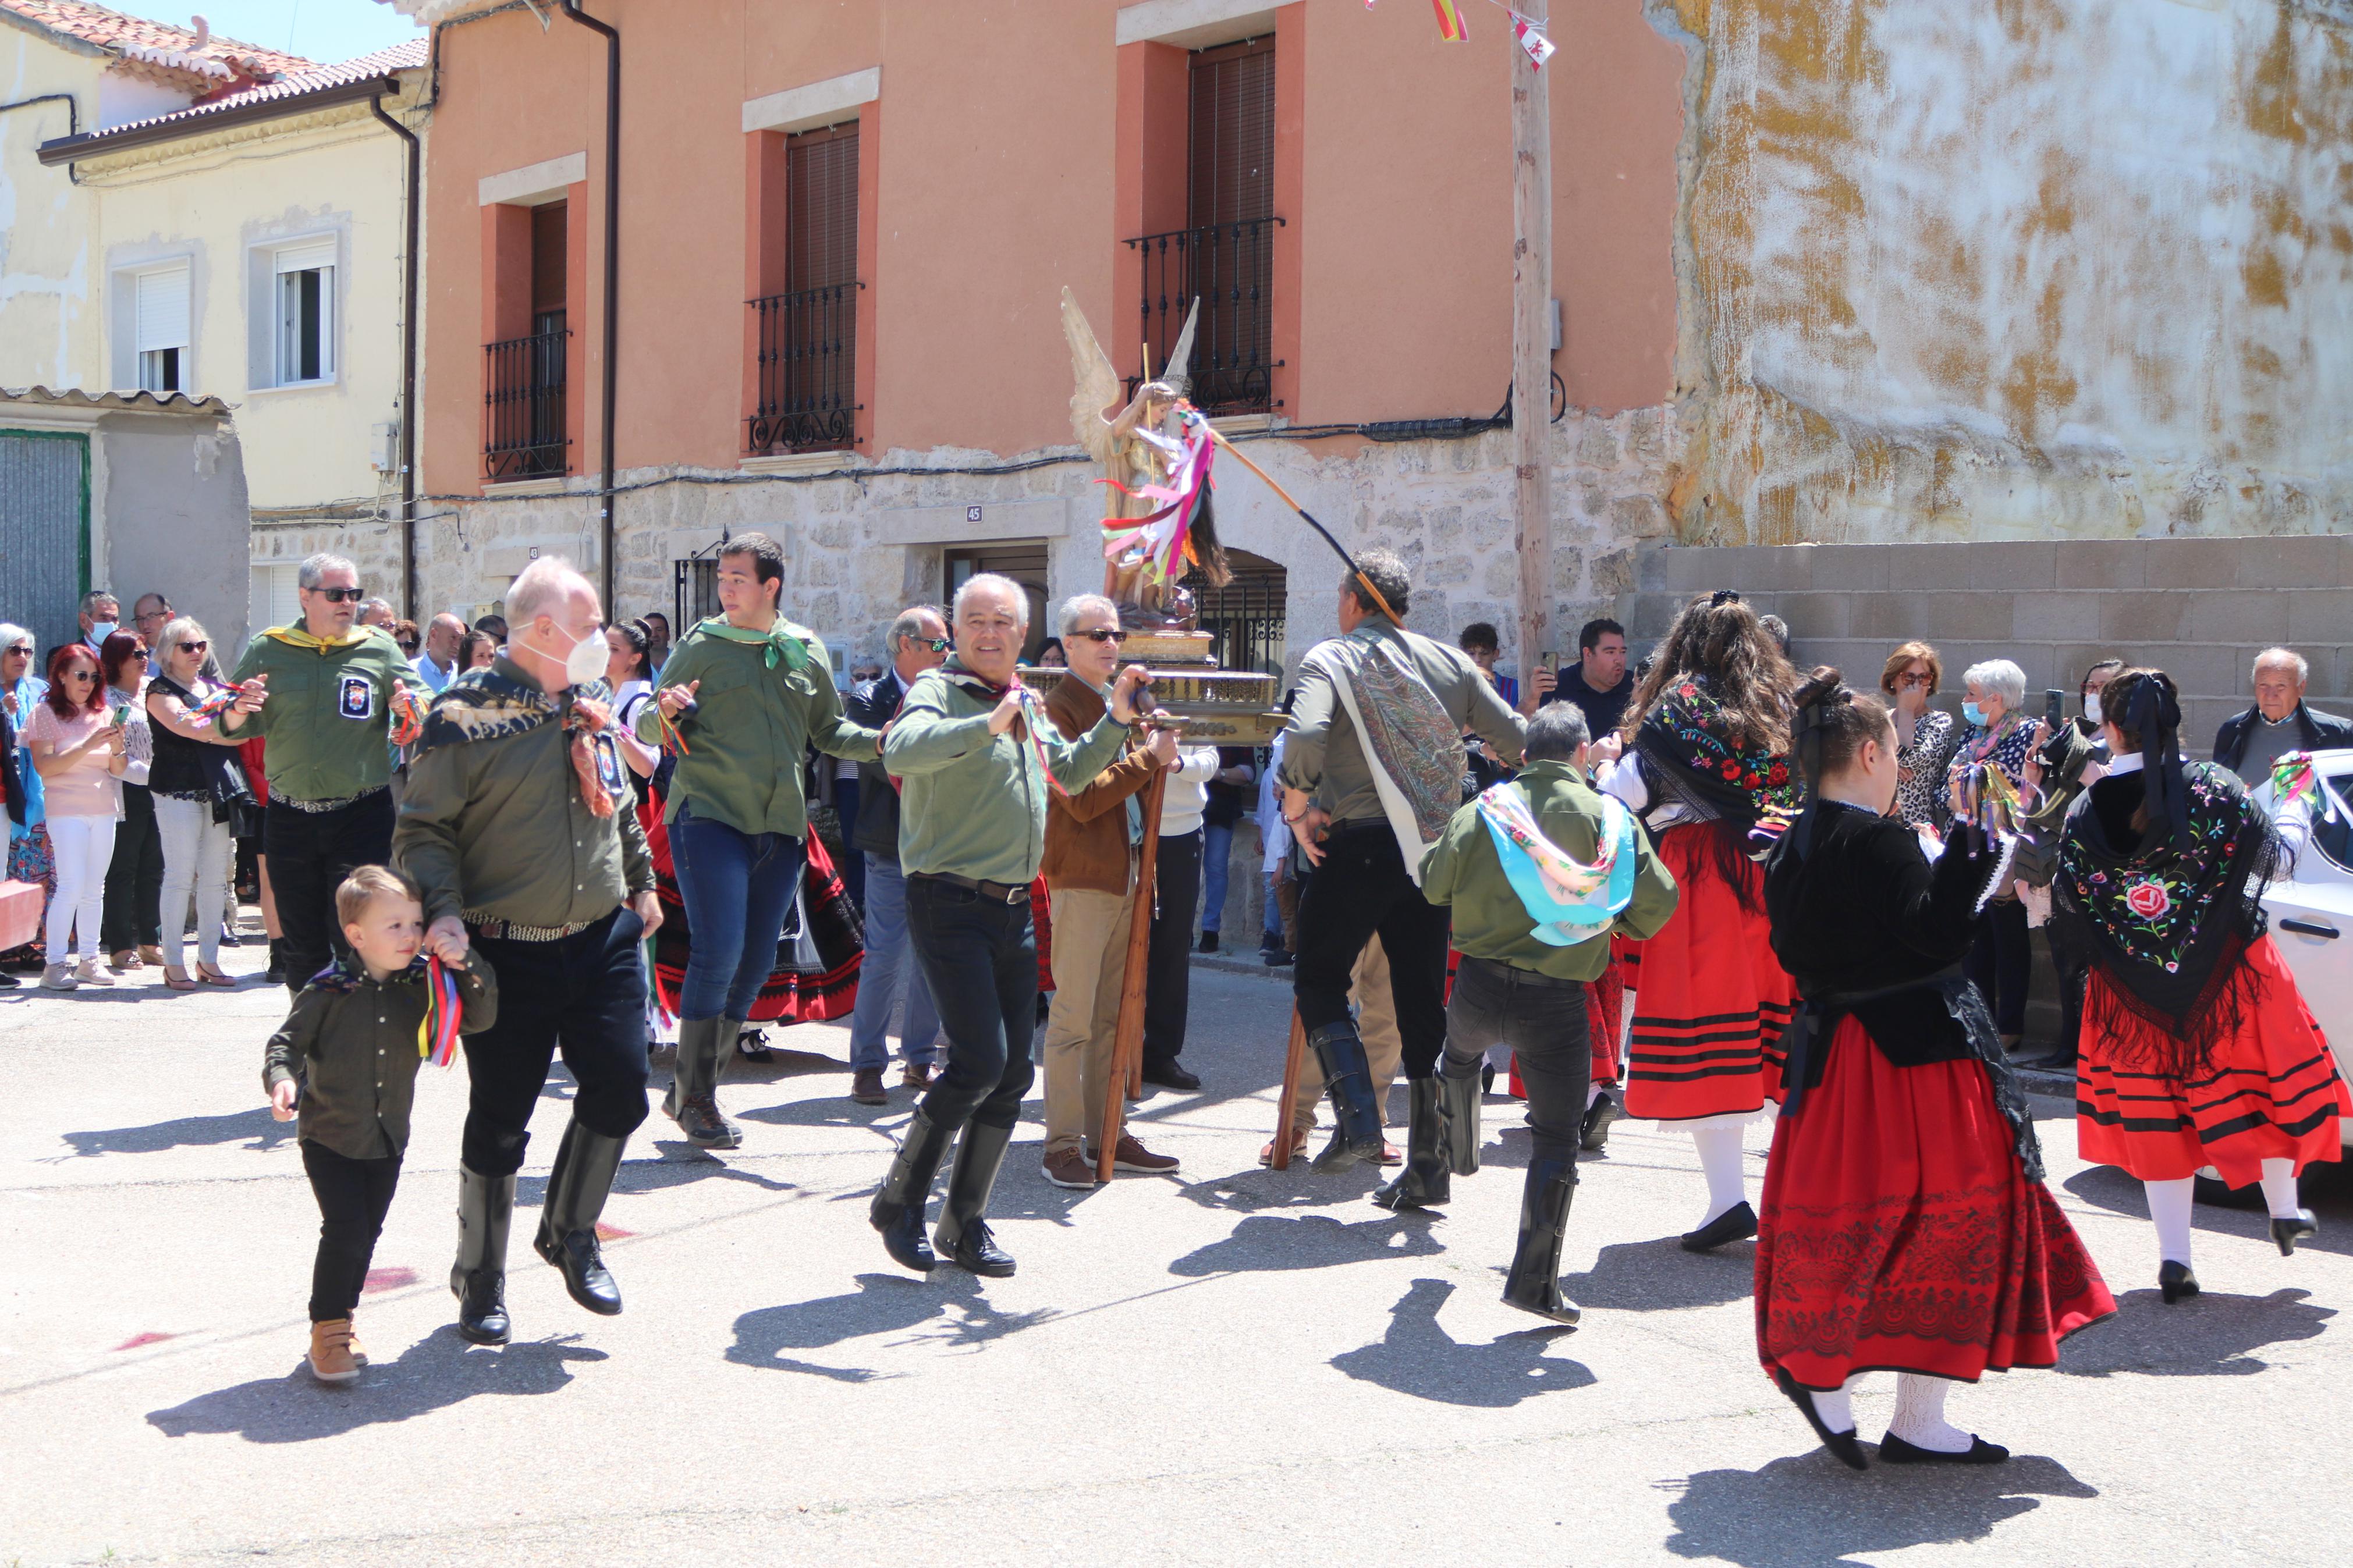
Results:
x,y
2312,914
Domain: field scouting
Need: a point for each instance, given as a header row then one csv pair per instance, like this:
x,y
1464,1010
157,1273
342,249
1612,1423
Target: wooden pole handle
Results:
x,y
1294,1062
1127,1039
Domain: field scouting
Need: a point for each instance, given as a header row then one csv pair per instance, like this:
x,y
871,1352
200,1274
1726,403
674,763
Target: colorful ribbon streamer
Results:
x,y
437,1036
1449,21
1166,535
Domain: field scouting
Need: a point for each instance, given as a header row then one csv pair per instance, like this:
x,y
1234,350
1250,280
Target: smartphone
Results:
x,y
2054,708
1550,662
120,716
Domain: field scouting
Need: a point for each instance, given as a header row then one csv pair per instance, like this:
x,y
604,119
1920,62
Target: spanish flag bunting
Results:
x,y
1539,47
1449,21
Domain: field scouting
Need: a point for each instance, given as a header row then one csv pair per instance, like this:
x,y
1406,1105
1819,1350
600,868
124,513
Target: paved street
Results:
x,y
1236,1366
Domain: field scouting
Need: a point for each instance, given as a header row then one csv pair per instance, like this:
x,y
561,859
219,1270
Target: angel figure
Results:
x,y
1140,445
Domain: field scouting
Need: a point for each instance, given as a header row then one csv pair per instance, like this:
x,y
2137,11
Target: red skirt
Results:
x,y
1898,1231
1711,1000
2272,1093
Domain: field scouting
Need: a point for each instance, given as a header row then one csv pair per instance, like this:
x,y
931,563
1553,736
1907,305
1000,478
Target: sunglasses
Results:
x,y
194,646
339,595
1102,634
937,645
82,675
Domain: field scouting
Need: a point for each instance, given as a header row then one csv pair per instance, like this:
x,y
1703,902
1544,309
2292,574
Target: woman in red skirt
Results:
x,y
2198,1049
1707,769
1906,1228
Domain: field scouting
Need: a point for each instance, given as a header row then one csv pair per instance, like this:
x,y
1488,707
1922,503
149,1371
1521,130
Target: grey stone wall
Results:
x,y
174,509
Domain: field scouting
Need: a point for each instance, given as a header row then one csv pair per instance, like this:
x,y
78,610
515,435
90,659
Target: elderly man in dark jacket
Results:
x,y
2278,723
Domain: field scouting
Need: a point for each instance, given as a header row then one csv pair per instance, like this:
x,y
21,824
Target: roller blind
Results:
x,y
307,258
821,208
162,309
1233,132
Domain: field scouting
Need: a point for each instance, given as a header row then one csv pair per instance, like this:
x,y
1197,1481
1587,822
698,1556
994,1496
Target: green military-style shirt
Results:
x,y
974,804
353,1043
742,760
1462,869
495,828
327,720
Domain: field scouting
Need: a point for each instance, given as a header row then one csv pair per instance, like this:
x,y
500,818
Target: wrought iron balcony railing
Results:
x,y
808,354
1230,268
523,432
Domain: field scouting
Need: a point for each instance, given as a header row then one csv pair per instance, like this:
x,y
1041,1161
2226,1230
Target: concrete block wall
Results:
x,y
2198,608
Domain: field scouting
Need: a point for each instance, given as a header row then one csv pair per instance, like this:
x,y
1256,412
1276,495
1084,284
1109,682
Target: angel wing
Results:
x,y
1179,372
1097,385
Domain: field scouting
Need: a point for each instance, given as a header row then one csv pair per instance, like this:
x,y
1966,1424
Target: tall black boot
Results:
x,y
1425,1182
479,1278
898,1208
585,1163
1533,1283
963,1232
704,1044
1349,1079
1461,1098
276,974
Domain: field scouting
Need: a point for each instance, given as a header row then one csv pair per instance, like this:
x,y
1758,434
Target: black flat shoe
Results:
x,y
903,1238
2174,1282
1595,1131
2294,1228
1895,1450
585,1278
1842,1443
1171,1076
977,1252
1735,1224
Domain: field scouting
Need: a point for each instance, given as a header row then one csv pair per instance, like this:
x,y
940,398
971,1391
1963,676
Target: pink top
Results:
x,y
86,789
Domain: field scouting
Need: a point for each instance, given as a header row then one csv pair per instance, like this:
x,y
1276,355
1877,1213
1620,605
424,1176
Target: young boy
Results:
x,y
353,1039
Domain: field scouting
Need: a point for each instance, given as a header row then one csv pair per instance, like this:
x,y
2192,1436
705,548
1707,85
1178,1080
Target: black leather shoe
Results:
x,y
1895,1450
1426,1182
2287,1232
585,1278
585,1163
1168,1075
1533,1283
1735,1224
1348,1080
898,1208
1461,1099
2174,1282
963,1231
1842,1443
1594,1133
975,1251
479,1278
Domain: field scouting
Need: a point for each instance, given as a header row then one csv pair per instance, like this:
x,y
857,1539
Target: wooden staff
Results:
x,y
1294,1062
1127,1039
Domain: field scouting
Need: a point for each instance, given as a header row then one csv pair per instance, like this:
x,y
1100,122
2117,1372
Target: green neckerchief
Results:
x,y
781,637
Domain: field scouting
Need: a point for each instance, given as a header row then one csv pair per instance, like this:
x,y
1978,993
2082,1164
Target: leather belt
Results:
x,y
512,930
320,807
1001,892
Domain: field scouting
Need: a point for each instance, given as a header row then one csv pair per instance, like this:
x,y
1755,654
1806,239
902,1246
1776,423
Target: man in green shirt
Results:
x,y
978,757
743,693
329,693
1539,872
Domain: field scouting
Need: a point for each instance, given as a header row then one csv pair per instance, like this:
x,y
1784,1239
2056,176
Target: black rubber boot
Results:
x,y
898,1208
479,1278
275,973
1348,1080
703,1046
1533,1283
1461,1099
585,1163
1425,1183
964,1233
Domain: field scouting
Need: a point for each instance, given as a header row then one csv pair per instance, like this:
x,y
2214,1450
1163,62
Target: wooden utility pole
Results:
x,y
1532,345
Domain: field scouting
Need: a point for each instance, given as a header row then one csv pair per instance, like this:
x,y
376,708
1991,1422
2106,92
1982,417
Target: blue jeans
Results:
x,y
981,958
887,956
738,889
1217,850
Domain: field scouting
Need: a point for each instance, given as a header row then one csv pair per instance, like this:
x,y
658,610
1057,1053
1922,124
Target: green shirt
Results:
x,y
327,720
1490,922
352,1044
742,760
973,804
496,830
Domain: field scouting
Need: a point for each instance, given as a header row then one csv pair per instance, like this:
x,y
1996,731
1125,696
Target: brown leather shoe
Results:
x,y
1298,1147
916,1075
1389,1156
1136,1159
866,1086
1069,1168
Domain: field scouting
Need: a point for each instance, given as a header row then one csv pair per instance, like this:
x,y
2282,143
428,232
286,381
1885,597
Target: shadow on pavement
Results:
x,y
1813,1512
2210,1335
1660,1276
2328,1189
680,1163
434,1374
1263,1188
1271,1243
258,1124
1419,1358
948,1310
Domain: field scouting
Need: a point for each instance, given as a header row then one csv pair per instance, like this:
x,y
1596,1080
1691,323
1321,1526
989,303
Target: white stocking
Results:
x,y
2279,1189
2168,1206
1837,1410
1920,1414
1719,1157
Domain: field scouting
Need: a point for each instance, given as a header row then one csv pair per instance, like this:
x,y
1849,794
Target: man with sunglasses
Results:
x,y
327,689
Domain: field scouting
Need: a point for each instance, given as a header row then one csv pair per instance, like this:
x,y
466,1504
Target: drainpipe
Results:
x,y
73,118
612,323
414,154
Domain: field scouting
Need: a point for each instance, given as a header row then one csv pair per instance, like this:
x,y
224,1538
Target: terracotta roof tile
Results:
x,y
159,43
409,56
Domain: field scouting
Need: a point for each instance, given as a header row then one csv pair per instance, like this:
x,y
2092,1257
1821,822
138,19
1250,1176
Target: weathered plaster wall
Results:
x,y
48,298
2021,268
177,517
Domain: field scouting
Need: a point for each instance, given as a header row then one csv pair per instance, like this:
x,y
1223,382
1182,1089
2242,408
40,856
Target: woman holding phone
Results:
x,y
81,756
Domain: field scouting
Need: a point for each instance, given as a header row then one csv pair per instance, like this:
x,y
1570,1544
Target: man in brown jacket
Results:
x,y
1092,835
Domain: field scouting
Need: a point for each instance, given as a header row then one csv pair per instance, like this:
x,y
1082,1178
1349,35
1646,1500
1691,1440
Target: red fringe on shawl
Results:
x,y
1710,999
790,994
1898,1231
2270,1089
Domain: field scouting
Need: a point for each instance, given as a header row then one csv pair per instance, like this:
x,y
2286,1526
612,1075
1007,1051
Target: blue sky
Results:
x,y
323,30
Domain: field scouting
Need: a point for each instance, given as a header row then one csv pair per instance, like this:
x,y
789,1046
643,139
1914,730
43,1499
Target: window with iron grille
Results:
x,y
1247,619
807,336
526,435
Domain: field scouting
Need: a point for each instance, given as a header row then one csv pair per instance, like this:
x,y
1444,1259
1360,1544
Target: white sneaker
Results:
x,y
59,977
89,973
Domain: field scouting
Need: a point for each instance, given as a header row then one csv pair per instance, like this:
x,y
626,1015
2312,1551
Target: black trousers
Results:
x,y
1544,1021
2001,962
1168,959
1360,889
584,996
353,1197
980,958
310,853
134,877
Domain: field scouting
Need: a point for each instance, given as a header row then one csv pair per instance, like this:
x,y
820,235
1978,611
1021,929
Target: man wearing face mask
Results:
x,y
100,612
519,827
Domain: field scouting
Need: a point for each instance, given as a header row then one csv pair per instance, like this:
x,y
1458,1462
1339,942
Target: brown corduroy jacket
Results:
x,y
1086,833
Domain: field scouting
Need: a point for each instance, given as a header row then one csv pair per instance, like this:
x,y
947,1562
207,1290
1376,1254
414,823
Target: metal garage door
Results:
x,y
44,531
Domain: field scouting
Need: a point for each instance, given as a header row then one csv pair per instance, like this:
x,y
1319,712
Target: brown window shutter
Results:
x,y
821,208
1233,132
547,257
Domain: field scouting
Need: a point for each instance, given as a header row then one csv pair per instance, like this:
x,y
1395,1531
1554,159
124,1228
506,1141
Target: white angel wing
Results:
x,y
1179,372
1097,385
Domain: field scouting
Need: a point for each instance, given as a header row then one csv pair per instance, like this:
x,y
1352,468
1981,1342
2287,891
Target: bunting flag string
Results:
x,y
1449,21
1527,29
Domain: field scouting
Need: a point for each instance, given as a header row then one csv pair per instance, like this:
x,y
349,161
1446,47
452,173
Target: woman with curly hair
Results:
x,y
1706,766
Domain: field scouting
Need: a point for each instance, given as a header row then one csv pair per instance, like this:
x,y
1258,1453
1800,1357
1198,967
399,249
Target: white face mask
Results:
x,y
2091,708
587,658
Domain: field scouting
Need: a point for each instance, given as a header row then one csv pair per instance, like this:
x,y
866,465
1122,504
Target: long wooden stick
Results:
x,y
1309,518
1127,1039
1294,1062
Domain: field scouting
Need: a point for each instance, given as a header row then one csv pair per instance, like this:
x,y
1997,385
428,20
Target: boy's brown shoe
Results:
x,y
359,1350
331,1352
